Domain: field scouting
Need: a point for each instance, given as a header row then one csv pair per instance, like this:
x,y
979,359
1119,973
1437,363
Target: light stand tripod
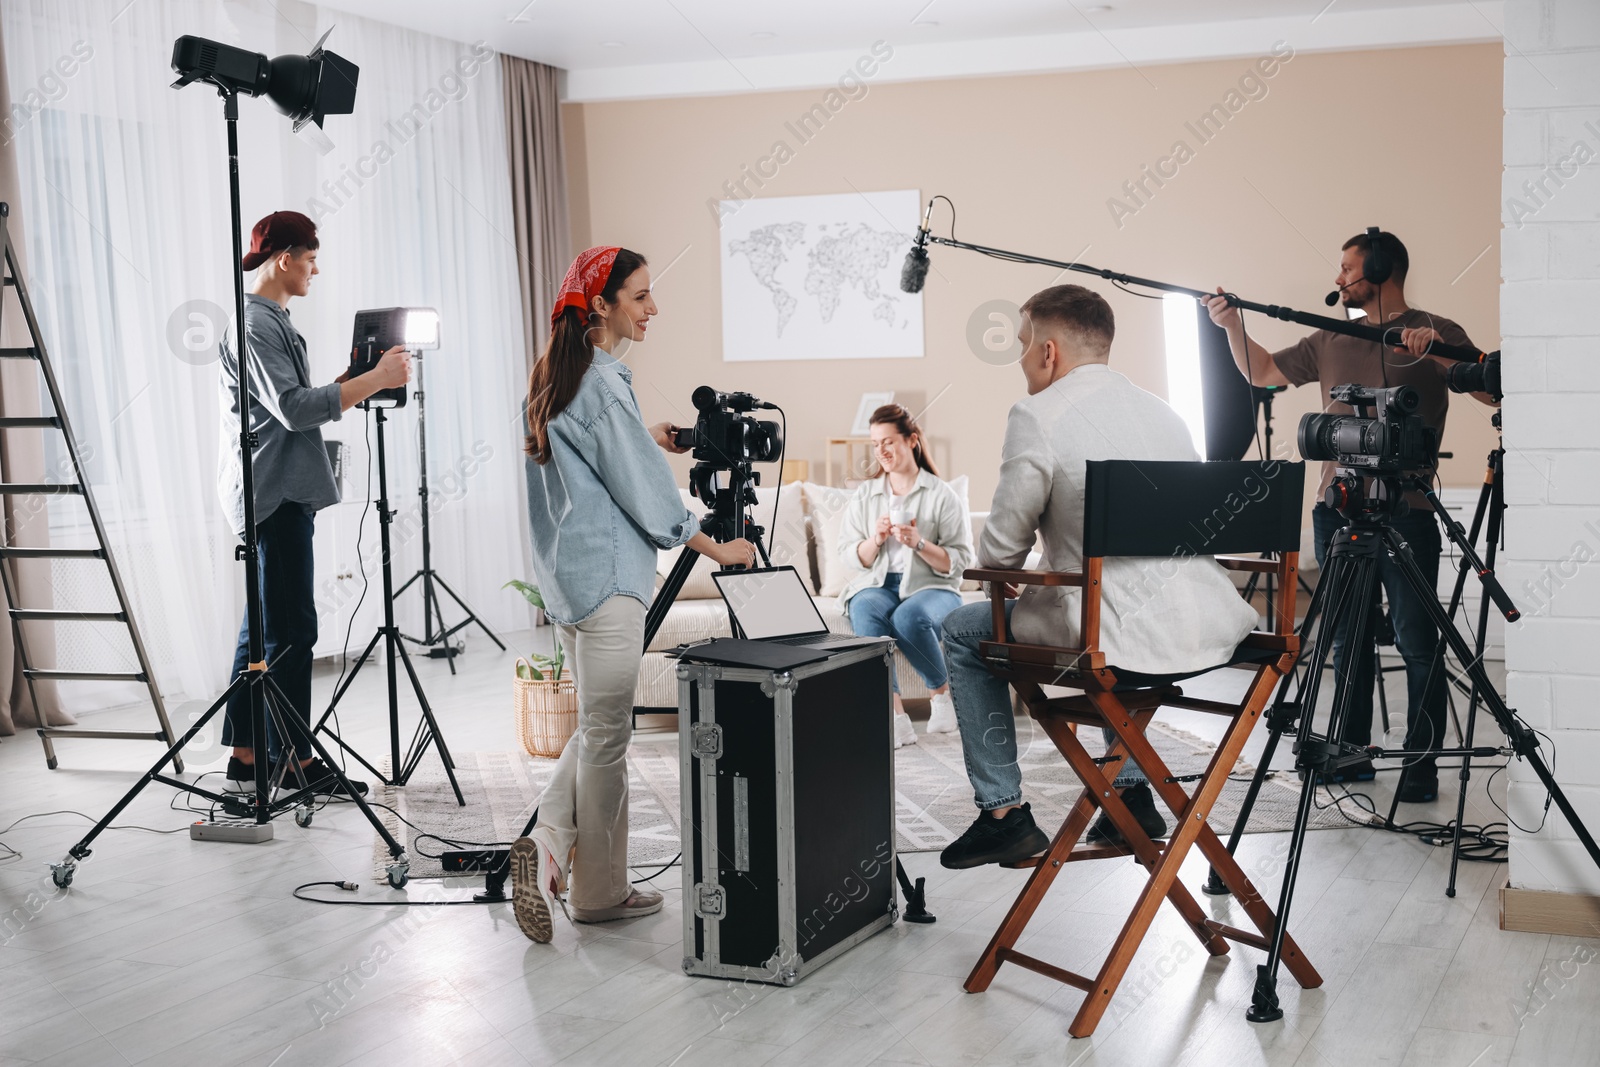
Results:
x,y
431,610
427,731
1347,589
263,693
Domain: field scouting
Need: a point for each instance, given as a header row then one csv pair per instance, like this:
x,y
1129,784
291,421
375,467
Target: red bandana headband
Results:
x,y
585,279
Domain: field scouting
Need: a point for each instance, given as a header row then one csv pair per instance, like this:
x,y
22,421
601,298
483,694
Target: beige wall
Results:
x,y
1407,139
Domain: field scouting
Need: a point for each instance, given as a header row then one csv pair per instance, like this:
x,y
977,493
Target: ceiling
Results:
x,y
639,48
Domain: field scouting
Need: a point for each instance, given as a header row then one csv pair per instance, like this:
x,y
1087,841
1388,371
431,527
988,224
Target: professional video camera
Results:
x,y
724,437
1385,436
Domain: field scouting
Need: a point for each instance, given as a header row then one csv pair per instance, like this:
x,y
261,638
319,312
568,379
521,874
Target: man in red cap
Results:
x,y
293,480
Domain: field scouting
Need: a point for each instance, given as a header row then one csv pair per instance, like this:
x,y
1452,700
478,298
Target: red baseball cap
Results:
x,y
278,232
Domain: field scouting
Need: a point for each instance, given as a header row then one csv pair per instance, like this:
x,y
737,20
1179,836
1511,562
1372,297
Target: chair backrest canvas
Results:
x,y
1151,508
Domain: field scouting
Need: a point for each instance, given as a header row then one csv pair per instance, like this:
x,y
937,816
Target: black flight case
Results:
x,y
788,813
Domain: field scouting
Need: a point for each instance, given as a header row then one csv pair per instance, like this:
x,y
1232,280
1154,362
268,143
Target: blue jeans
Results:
x,y
913,623
289,610
1415,635
983,711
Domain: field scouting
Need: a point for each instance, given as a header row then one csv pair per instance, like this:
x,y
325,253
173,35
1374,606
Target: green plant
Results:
x,y
553,664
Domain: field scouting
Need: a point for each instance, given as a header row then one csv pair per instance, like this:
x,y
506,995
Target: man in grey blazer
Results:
x,y
1158,616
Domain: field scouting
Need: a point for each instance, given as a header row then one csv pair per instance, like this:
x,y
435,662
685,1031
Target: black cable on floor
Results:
x,y
352,887
673,862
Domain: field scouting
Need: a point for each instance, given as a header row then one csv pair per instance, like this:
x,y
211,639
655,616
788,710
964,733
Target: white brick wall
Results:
x,y
1550,317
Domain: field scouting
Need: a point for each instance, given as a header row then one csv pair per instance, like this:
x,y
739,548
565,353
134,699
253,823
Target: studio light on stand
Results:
x,y
305,88
420,333
377,331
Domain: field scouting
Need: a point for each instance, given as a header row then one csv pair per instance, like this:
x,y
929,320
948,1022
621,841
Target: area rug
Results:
x,y
933,798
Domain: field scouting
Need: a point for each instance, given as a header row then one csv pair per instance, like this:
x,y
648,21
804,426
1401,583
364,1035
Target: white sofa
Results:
x,y
805,535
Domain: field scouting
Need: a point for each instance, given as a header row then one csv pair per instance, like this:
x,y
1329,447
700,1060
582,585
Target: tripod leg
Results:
x,y
344,685
1383,698
472,616
1352,569
1279,720
432,734
1524,742
395,848
63,871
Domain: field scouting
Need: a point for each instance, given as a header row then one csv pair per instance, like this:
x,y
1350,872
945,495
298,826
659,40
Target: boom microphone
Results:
x,y
915,271
1333,297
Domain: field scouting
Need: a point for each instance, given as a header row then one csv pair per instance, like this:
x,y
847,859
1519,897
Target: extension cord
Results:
x,y
466,862
239,831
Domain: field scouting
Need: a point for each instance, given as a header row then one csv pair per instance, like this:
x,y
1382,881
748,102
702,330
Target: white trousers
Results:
x,y
583,815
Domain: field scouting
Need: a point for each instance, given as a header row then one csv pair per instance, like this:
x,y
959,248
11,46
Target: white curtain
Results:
x,y
129,252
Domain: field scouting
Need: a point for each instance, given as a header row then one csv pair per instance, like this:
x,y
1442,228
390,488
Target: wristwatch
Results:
x,y
922,543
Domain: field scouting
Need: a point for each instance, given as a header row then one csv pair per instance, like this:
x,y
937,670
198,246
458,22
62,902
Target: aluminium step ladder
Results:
x,y
123,615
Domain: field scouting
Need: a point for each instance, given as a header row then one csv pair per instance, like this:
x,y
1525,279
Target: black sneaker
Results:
x,y
991,840
320,777
1419,783
241,776
1142,803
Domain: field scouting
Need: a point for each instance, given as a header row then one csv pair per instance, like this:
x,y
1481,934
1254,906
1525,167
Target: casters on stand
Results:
x,y
61,873
1215,886
399,874
302,815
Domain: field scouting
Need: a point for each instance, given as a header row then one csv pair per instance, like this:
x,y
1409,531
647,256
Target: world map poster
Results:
x,y
818,277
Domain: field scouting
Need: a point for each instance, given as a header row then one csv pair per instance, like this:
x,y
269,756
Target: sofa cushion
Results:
x,y
826,505
788,540
691,620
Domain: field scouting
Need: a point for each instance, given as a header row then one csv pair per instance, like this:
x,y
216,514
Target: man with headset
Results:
x,y
1371,279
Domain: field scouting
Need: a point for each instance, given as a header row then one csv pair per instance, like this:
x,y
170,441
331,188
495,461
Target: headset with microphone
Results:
x,y
1377,264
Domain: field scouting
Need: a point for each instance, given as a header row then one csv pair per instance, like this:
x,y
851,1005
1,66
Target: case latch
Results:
x,y
709,901
705,740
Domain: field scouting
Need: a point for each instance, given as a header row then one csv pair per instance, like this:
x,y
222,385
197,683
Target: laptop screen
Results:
x,y
770,603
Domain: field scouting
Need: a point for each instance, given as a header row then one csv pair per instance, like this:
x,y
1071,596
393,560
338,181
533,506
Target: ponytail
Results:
x,y
567,358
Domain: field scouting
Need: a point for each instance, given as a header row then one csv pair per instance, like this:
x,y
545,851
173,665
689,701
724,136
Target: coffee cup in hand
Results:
x,y
899,517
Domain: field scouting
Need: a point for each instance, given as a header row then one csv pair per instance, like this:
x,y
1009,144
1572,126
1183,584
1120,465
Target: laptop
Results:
x,y
772,604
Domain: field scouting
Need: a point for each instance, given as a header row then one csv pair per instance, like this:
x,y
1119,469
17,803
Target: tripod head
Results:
x,y
729,516
1350,496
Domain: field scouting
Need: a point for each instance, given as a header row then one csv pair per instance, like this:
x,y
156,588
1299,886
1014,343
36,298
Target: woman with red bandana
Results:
x,y
602,502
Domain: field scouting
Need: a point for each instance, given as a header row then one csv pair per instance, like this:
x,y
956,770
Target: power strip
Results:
x,y
455,862
239,831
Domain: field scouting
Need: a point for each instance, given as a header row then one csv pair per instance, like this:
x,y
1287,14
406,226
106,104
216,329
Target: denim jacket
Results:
x,y
606,501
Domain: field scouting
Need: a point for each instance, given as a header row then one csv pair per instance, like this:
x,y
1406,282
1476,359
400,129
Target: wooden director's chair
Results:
x,y
1168,510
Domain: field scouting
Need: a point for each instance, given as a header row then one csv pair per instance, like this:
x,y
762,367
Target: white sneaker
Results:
x,y
904,734
943,719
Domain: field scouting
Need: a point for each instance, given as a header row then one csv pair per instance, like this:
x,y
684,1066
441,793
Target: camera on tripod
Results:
x,y
1384,436
724,436
1480,377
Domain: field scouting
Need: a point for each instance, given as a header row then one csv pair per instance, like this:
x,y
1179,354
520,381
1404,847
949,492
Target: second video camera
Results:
x,y
724,436
1385,436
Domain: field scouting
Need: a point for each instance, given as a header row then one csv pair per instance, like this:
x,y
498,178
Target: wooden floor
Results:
x,y
182,952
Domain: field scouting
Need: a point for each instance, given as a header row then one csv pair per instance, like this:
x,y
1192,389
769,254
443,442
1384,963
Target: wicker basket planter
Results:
x,y
547,712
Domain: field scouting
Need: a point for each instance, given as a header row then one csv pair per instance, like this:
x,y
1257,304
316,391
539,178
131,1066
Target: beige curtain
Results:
x,y
27,522
538,192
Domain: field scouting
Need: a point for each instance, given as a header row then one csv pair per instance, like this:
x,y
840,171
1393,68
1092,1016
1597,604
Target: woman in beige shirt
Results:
x,y
907,537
